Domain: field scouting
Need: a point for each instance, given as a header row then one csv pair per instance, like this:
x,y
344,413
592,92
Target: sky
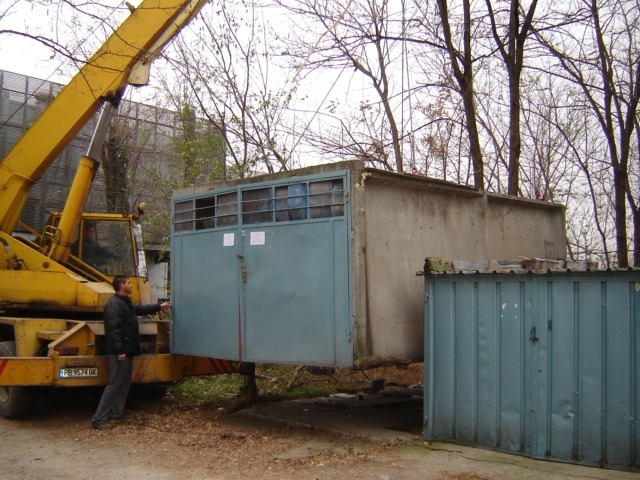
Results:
x,y
309,104
23,55
28,57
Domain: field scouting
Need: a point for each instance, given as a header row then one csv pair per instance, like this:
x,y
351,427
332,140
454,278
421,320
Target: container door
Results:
x,y
587,367
205,273
290,296
478,382
296,273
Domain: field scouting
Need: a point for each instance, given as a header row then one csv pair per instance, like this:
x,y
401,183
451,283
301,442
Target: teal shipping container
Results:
x,y
541,365
317,266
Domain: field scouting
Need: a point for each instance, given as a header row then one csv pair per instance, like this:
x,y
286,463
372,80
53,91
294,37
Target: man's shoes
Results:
x,y
102,425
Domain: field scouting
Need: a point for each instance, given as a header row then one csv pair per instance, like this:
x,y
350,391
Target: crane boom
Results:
x,y
53,289
124,58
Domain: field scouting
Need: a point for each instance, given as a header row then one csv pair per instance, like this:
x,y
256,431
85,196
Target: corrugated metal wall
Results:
x,y
543,365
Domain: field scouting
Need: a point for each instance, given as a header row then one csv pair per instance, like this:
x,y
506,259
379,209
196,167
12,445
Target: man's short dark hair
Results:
x,y
118,281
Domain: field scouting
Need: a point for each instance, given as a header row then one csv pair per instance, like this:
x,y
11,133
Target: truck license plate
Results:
x,y
75,372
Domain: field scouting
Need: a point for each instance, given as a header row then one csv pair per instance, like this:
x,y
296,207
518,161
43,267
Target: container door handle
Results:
x,y
532,335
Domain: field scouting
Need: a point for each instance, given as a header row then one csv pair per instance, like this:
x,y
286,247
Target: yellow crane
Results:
x,y
52,289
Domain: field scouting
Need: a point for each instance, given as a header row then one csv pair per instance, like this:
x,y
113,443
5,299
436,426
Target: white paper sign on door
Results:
x,y
229,240
257,238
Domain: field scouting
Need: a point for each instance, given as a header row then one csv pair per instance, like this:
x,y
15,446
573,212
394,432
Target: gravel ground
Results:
x,y
169,439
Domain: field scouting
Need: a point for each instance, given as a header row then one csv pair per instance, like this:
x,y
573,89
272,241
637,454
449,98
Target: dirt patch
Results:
x,y
173,438
169,441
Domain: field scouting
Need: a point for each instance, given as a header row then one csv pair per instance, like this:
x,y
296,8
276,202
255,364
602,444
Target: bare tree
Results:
x,y
567,166
486,111
603,59
65,35
356,35
634,186
462,61
511,46
228,80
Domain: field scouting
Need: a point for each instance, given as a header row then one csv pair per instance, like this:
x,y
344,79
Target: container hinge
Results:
x,y
349,335
425,421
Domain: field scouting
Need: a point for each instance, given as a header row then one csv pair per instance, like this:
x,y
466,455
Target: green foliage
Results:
x,y
196,156
275,383
200,155
213,391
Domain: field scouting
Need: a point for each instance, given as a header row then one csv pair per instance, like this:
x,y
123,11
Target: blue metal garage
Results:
x,y
542,365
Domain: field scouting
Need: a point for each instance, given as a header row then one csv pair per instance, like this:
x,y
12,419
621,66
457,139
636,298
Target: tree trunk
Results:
x,y
636,238
249,392
514,134
620,208
512,52
464,77
115,162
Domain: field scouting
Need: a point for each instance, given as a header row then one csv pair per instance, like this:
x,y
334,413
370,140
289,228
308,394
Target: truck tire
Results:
x,y
14,401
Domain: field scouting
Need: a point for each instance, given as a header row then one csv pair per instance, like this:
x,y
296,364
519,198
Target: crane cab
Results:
x,y
105,245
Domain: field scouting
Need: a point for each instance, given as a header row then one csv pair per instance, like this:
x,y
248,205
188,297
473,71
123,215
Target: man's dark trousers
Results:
x,y
116,392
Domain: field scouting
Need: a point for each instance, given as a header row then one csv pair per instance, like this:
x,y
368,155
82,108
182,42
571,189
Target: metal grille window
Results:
x,y
206,212
282,203
183,220
227,210
296,201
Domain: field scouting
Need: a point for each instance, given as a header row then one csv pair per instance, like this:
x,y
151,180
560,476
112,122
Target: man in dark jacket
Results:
x,y
122,343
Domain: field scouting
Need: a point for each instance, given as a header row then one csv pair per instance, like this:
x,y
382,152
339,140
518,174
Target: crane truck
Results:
x,y
52,293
